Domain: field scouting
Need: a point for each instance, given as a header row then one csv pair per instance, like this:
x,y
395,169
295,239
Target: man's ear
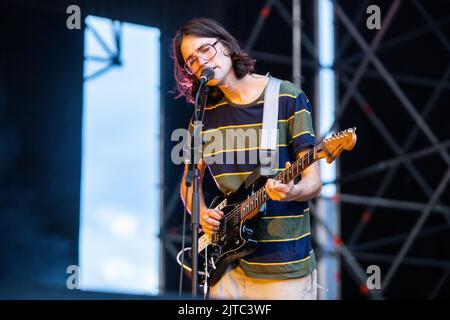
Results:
x,y
226,51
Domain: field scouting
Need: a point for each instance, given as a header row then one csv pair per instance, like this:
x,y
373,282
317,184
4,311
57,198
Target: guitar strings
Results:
x,y
281,176
233,212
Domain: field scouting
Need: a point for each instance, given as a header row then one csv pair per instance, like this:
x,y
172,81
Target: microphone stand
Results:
x,y
193,174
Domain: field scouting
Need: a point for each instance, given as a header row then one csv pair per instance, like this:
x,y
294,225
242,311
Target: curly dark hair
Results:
x,y
187,84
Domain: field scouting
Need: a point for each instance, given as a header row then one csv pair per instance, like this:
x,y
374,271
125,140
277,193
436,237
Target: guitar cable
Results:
x,y
180,289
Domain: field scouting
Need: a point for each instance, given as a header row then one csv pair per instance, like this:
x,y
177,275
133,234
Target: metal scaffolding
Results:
x,y
114,55
400,150
351,252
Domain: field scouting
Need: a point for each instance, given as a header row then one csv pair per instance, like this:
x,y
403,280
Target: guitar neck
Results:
x,y
260,197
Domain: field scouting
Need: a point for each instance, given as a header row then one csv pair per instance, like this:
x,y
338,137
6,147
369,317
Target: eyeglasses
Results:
x,y
206,51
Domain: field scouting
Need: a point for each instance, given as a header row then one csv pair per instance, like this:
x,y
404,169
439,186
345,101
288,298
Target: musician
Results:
x,y
283,266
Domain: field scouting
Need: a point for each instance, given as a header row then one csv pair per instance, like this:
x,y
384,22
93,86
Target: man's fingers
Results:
x,y
273,185
216,214
208,231
270,188
208,228
278,186
288,164
277,190
211,220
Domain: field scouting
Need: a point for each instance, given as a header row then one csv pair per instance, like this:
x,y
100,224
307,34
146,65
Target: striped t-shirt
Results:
x,y
283,230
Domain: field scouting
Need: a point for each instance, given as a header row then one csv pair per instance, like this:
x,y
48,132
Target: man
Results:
x,y
283,266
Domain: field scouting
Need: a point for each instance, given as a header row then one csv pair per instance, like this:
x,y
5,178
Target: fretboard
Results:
x,y
296,168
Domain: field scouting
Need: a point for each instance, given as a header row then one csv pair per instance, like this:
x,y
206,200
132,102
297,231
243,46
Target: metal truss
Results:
x,y
114,55
352,253
368,56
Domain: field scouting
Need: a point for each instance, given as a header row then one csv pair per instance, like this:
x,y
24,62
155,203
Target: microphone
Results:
x,y
206,75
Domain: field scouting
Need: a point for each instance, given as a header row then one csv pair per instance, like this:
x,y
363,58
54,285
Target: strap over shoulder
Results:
x,y
269,136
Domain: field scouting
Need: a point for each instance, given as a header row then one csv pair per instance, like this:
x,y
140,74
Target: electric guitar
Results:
x,y
234,239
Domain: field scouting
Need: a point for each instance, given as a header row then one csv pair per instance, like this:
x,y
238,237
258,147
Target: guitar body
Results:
x,y
234,239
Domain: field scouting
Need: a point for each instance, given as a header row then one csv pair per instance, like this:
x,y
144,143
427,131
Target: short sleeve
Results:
x,y
300,124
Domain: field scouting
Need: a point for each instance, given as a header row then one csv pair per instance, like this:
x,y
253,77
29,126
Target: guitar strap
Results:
x,y
268,154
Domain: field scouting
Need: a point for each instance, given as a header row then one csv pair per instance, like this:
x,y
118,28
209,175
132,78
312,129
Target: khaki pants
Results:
x,y
235,285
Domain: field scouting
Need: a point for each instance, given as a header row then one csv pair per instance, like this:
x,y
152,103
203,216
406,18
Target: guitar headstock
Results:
x,y
332,147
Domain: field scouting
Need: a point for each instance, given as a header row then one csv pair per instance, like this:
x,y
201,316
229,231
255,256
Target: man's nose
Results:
x,y
202,61
201,64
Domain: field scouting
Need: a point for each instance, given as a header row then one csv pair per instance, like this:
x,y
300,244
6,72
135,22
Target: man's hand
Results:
x,y
210,220
279,191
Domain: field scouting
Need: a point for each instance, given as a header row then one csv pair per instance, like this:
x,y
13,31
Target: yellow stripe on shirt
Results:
x,y
285,217
242,149
232,174
275,263
301,133
259,102
285,240
296,113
